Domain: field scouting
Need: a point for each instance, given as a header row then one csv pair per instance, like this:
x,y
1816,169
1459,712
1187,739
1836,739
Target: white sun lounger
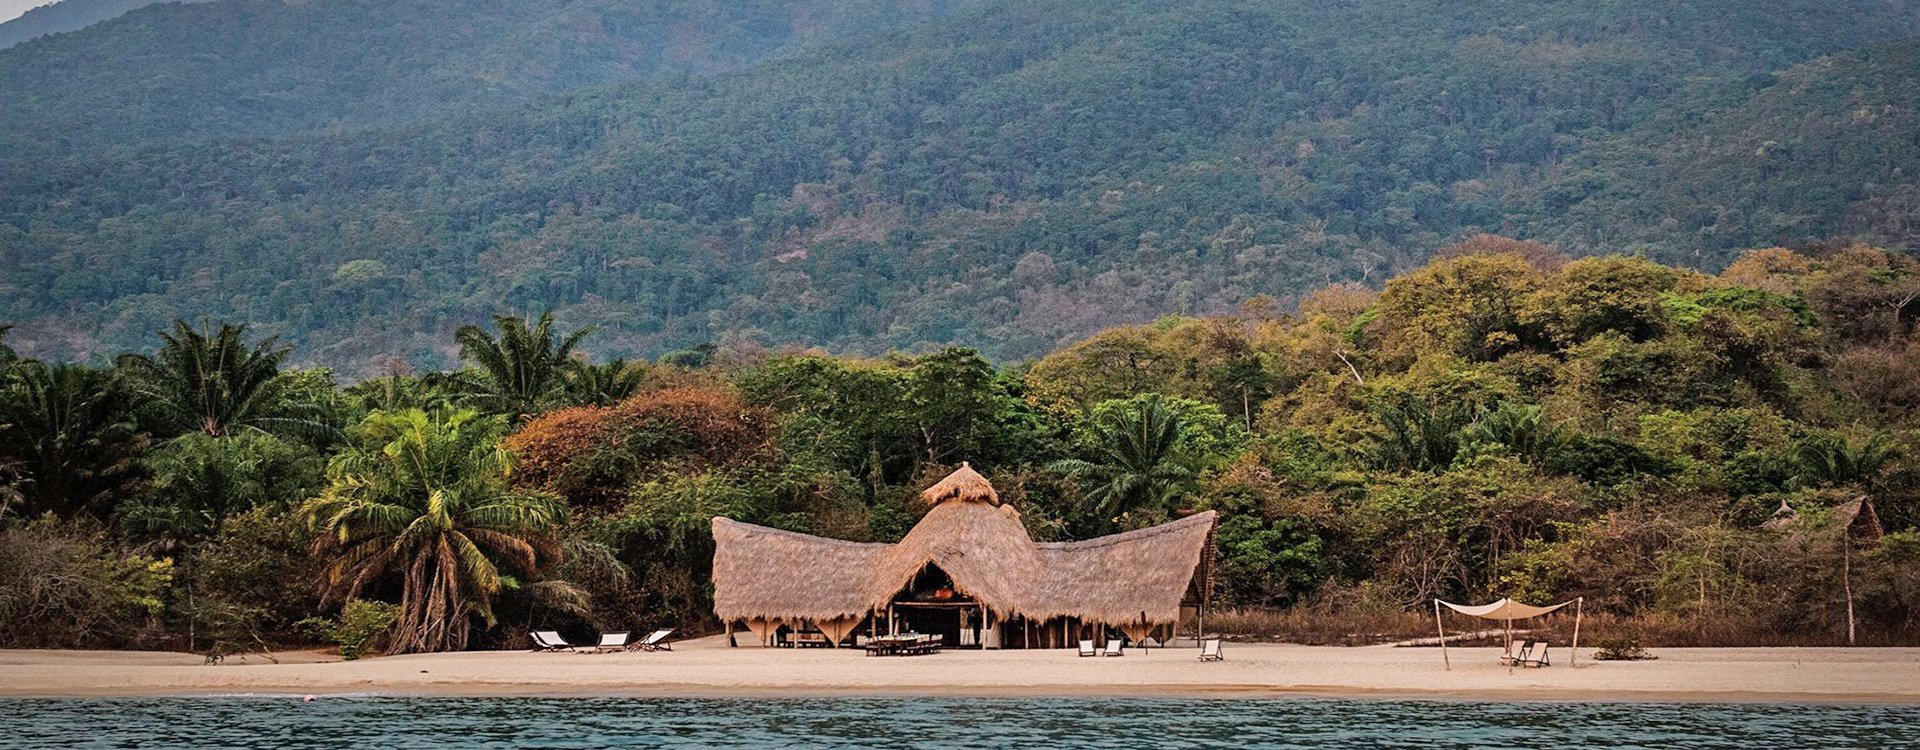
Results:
x,y
549,640
1115,647
656,641
1210,650
610,642
1537,657
1087,649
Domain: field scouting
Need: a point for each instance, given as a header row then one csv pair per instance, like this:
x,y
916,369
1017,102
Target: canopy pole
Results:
x,y
1444,659
1510,635
1578,605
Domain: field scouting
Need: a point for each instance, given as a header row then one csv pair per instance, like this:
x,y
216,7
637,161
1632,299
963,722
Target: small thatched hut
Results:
x,y
967,571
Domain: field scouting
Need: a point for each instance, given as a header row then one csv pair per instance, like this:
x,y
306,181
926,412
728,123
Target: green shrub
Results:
x,y
1621,648
361,627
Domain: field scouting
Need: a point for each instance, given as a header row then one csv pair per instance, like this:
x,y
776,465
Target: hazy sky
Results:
x,y
11,9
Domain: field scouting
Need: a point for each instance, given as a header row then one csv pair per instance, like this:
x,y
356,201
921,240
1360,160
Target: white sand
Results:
x,y
706,667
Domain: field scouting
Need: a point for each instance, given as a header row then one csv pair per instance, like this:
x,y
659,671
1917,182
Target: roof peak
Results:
x,y
965,485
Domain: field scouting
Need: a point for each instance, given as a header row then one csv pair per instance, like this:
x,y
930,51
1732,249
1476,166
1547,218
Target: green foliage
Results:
x,y
1007,175
62,586
197,481
360,628
1143,455
212,383
425,496
68,432
524,368
248,586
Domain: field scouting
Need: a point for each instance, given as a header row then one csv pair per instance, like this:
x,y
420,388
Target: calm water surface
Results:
x,y
402,723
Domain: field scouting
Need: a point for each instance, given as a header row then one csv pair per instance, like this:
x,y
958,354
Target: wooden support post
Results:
x,y
1578,605
730,643
1444,659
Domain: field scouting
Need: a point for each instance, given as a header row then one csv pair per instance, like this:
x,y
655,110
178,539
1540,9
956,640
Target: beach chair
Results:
x,y
655,641
1536,658
1087,649
1514,657
548,640
609,642
1115,647
1210,650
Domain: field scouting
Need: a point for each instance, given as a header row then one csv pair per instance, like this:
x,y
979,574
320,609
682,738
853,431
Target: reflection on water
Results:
x,y
402,723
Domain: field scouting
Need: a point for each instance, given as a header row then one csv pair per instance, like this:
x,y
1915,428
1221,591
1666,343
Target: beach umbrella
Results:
x,y
1506,610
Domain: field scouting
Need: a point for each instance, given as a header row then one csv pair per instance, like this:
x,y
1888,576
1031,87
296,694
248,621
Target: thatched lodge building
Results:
x,y
968,571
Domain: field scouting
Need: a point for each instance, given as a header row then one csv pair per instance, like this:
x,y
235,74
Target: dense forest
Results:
x,y
1686,451
1010,176
62,16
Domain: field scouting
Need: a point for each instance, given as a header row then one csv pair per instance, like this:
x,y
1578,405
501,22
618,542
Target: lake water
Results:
x,y
384,723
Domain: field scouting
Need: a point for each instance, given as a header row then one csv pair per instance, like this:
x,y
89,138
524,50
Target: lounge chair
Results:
x,y
1210,650
548,640
609,642
1114,647
1513,658
1087,649
1538,657
655,641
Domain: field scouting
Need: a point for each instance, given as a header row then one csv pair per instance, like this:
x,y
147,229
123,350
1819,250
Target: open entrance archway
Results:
x,y
930,604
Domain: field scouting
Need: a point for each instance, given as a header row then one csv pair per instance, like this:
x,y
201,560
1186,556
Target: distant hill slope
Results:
x,y
1831,147
65,15
256,67
1009,178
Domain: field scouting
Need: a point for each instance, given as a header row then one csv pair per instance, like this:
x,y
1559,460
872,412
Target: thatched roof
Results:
x,y
1854,518
766,573
963,484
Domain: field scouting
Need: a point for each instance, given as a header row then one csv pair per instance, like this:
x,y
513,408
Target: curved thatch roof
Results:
x,y
769,573
766,573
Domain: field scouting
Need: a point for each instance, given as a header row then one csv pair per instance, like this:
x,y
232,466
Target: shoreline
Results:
x,y
706,669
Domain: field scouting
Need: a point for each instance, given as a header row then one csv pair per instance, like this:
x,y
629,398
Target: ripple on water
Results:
x,y
386,723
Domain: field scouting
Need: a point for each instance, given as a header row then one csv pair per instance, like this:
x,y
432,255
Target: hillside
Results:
x,y
253,67
62,16
1012,177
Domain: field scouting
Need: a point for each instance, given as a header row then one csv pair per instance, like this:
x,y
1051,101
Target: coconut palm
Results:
x,y
422,500
1138,460
66,433
211,382
1419,436
524,368
1825,459
605,384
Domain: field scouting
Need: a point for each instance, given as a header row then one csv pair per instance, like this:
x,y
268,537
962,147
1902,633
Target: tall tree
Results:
x,y
211,382
524,368
66,432
425,496
1138,460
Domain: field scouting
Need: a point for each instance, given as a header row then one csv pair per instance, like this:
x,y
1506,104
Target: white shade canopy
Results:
x,y
1504,609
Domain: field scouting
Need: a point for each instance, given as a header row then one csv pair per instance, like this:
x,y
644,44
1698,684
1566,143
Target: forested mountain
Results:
x,y
64,15
276,66
1009,177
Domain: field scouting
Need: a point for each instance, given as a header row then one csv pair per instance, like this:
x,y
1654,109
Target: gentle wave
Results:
x,y
264,721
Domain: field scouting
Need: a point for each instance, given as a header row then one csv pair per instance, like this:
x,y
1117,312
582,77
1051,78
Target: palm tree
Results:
x,y
67,433
425,497
523,368
1522,428
605,384
211,382
1825,459
1419,436
1138,460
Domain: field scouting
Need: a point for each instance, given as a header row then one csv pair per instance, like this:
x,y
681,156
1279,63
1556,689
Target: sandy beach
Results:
x,y
705,667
